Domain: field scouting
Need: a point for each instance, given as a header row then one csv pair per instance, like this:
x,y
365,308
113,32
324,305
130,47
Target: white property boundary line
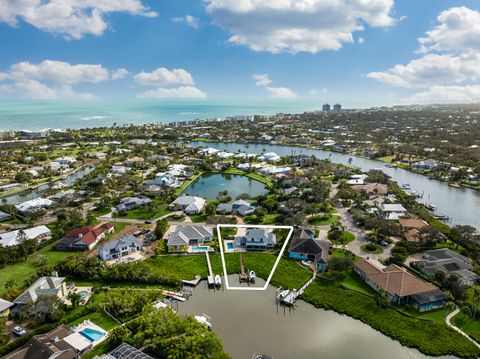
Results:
x,y
220,239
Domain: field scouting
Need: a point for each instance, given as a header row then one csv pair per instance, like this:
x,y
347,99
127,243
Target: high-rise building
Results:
x,y
337,107
326,107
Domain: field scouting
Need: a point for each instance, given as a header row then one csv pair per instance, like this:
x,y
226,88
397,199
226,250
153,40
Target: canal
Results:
x,y
28,195
462,205
209,185
250,321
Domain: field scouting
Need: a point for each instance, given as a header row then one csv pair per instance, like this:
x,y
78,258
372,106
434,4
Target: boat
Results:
x,y
282,294
430,206
204,320
406,186
251,276
218,281
455,185
441,216
390,165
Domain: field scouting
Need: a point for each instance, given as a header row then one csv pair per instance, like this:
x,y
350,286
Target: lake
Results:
x,y
250,321
462,205
209,184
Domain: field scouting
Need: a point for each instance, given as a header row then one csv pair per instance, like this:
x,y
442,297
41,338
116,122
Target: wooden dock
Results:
x,y
289,297
210,277
243,276
193,282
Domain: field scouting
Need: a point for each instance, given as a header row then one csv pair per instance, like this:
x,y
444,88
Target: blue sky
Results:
x,y
301,53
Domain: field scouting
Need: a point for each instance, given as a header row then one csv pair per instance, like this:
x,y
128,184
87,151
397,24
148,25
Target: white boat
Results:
x,y
218,281
282,294
204,320
406,186
251,276
430,206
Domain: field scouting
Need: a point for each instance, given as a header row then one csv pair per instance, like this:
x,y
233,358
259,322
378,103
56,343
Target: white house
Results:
x,y
34,204
119,248
12,238
188,236
188,204
270,157
392,211
256,239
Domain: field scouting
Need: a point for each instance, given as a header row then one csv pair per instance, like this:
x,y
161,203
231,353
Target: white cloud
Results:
x,y
361,40
120,74
49,79
280,92
162,77
448,94
71,18
432,69
298,25
176,92
449,66
190,20
458,29
262,80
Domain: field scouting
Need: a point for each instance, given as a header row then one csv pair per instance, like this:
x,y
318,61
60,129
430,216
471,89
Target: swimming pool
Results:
x,y
83,294
230,245
200,249
92,334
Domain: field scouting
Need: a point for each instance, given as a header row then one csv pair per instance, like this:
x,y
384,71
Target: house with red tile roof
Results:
x,y
83,238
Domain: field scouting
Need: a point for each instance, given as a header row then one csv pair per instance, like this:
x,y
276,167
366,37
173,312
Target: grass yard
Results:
x,y
99,317
378,249
467,324
22,271
144,214
386,159
322,220
352,281
348,237
197,218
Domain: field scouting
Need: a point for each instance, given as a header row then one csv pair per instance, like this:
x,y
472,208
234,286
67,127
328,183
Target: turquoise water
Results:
x,y
92,334
208,186
83,294
230,245
199,249
34,115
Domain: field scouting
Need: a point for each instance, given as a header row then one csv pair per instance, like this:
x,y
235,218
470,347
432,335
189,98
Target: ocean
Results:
x,y
35,115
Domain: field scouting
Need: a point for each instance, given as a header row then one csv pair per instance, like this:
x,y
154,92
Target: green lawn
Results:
x,y
197,218
352,281
348,237
467,324
386,159
99,317
21,271
322,220
143,214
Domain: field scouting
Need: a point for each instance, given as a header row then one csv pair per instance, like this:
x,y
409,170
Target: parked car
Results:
x,y
19,331
384,243
148,222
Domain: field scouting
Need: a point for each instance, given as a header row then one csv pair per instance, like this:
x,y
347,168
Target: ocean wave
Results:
x,y
90,118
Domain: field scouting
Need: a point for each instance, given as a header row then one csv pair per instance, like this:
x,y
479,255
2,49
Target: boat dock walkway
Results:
x,y
291,296
243,275
210,277
193,282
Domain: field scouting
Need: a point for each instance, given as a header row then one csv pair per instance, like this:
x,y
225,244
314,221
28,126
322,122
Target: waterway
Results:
x,y
462,205
250,321
28,195
209,184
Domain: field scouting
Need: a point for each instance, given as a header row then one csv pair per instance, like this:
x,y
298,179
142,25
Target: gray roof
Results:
x,y
42,286
128,240
5,304
443,253
225,207
4,215
184,234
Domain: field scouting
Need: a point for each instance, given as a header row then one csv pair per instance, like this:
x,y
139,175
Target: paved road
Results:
x,y
360,234
447,320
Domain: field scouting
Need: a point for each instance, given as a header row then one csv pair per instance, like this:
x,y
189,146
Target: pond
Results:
x,y
209,184
250,321
462,205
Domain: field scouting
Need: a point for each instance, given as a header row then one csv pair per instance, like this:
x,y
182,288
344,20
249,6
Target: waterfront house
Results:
x,y
357,179
128,203
304,246
449,262
412,223
269,157
188,204
185,236
256,239
13,238
400,286
392,211
372,188
164,179
426,165
82,239
65,161
119,248
4,216
241,207
5,306
125,351
34,206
